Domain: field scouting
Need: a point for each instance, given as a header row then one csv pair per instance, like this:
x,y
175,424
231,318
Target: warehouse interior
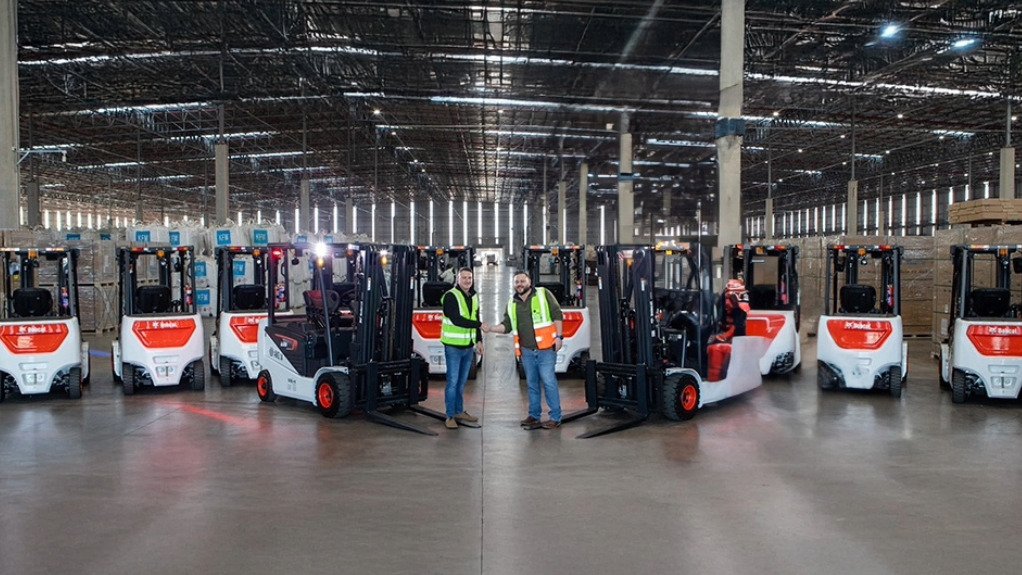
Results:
x,y
498,125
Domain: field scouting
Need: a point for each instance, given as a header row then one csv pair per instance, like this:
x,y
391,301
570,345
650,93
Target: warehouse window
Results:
x,y
986,190
479,222
166,221
876,217
411,222
525,223
372,222
89,220
844,217
450,222
278,218
603,223
46,219
951,195
933,211
297,223
354,219
496,222
865,215
510,228
904,212
259,218
239,218
968,191
432,227
315,219
393,216
919,213
202,219
545,224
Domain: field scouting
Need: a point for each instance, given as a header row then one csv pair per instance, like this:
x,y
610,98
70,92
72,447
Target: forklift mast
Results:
x,y
569,264
742,261
225,257
25,261
170,261
847,259
963,258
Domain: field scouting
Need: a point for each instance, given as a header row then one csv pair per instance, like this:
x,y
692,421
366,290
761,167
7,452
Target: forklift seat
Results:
x,y
249,297
314,301
556,289
345,292
763,297
32,302
433,293
152,299
858,298
990,302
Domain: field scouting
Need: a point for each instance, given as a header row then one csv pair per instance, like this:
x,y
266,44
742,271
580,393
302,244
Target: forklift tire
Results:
x,y
940,372
333,395
680,397
198,379
128,378
957,386
264,387
88,378
3,386
74,383
894,375
822,380
113,374
225,372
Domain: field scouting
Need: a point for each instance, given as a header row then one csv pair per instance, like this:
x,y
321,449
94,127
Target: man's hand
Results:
x,y
479,348
485,327
558,344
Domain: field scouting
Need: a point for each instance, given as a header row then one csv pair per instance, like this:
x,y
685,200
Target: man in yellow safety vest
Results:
x,y
534,317
461,336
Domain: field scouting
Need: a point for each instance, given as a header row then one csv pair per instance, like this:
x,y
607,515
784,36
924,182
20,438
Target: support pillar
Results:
x,y
768,219
625,186
304,209
32,216
730,126
852,211
583,214
10,194
222,178
1007,183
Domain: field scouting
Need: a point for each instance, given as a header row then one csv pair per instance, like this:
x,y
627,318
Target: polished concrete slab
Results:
x,y
785,479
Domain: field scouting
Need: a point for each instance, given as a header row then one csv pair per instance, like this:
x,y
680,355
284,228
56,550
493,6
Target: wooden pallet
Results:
x,y
986,212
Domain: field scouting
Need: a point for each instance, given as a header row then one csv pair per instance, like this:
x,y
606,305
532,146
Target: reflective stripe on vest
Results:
x,y
542,322
451,334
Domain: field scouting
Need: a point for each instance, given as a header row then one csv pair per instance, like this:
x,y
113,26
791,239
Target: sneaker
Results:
x,y
551,424
451,423
464,416
529,421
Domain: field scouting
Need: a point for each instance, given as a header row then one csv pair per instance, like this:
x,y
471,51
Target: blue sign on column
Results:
x,y
260,237
143,236
223,237
175,239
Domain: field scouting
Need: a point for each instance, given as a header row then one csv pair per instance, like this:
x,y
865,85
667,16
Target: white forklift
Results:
x,y
561,271
160,341
982,354
40,329
353,347
241,307
436,273
658,314
771,277
860,342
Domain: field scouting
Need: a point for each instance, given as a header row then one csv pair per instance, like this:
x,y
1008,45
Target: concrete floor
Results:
x,y
782,480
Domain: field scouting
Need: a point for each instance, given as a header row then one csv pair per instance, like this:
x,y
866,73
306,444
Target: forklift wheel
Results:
x,y
823,376
88,378
895,378
264,387
940,371
333,395
680,397
3,387
128,378
117,378
198,379
957,386
225,372
74,383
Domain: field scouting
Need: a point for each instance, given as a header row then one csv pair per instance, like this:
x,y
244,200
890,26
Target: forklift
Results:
x,y
771,278
658,316
353,347
982,353
43,341
160,340
561,270
860,342
437,272
240,307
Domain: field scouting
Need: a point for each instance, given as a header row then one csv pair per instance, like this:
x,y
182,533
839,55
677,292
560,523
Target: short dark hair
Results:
x,y
521,273
466,269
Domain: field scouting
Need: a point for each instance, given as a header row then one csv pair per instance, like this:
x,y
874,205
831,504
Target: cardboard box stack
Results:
x,y
985,211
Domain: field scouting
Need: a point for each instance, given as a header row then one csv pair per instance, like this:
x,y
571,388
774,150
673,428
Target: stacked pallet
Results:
x,y
985,212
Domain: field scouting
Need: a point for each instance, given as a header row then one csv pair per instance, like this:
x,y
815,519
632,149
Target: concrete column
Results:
x,y
222,183
304,209
730,128
583,214
625,186
1007,183
32,216
9,187
562,213
852,215
349,222
768,219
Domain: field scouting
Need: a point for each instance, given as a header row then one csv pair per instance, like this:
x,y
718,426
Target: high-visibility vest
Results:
x,y
451,334
542,322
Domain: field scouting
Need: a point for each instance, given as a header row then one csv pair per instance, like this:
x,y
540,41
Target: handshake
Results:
x,y
491,328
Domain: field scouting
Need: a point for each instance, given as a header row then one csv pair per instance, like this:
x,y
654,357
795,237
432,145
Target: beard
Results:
x,y
522,289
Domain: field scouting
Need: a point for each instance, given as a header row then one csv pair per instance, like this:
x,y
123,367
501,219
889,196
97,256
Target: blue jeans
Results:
x,y
539,368
459,363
